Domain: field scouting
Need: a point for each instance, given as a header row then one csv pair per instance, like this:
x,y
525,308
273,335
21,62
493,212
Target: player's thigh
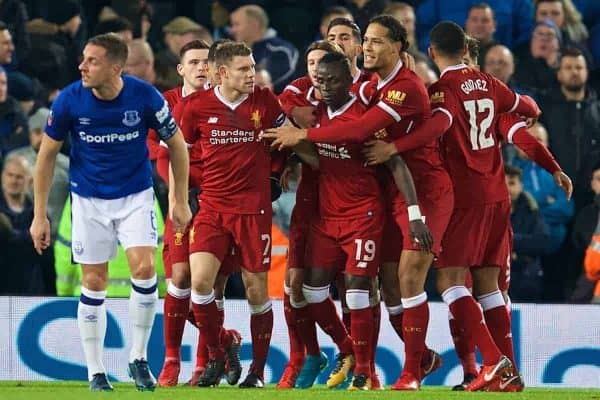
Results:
x,y
94,240
412,271
361,243
298,236
136,225
252,237
435,215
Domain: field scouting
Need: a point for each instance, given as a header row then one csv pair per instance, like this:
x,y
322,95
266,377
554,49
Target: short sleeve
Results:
x,y
275,114
443,100
159,115
400,101
58,124
187,120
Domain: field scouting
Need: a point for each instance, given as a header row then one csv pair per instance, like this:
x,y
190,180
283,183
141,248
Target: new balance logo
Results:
x,y
213,120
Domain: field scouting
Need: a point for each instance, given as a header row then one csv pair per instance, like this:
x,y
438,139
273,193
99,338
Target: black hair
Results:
x,y
448,38
396,31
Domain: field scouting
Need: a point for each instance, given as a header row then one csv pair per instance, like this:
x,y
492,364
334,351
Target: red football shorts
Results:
x,y
216,233
299,228
477,236
162,163
353,244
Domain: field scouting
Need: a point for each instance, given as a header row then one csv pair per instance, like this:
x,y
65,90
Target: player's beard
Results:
x,y
574,87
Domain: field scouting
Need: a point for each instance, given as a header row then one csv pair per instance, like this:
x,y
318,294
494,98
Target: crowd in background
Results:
x,y
549,49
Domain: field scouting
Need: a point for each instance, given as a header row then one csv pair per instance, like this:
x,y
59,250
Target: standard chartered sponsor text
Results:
x,y
235,136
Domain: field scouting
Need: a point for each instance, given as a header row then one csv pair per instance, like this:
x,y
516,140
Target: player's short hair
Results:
x,y
334,10
396,31
212,50
346,22
482,6
573,52
338,59
227,51
513,172
448,38
324,45
118,24
197,44
473,47
116,48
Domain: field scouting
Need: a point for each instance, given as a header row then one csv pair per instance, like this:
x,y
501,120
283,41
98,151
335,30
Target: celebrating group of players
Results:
x,y
394,180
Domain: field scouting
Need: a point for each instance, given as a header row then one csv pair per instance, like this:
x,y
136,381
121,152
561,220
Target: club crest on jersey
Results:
x,y
178,239
381,134
395,97
256,119
131,118
437,97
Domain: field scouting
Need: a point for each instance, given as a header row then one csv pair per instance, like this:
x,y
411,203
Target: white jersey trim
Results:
x,y
361,92
390,111
292,88
517,99
448,114
513,129
332,114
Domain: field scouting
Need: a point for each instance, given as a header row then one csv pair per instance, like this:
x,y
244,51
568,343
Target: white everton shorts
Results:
x,y
98,225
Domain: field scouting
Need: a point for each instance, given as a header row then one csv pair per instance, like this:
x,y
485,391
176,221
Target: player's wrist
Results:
x,y
414,213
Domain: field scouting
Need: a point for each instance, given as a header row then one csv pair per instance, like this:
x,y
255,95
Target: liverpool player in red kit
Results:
x,y
400,105
235,203
465,103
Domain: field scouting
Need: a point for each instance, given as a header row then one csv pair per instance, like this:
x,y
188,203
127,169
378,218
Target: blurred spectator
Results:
x,y
556,210
404,13
364,10
60,182
500,63
7,47
263,79
571,113
568,19
119,25
329,15
529,240
13,123
178,32
425,72
583,229
140,61
514,18
58,33
14,14
481,24
250,24
24,90
537,63
24,271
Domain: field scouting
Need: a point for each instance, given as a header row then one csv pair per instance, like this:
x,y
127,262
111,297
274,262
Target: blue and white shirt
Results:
x,y
109,156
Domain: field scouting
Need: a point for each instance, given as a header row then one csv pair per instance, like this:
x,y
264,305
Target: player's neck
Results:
x,y
354,68
187,89
110,90
339,103
230,94
385,71
443,62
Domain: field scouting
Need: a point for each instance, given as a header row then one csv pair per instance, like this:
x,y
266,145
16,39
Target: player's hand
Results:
x,y
408,60
284,137
378,152
564,182
530,122
40,233
181,215
304,116
420,234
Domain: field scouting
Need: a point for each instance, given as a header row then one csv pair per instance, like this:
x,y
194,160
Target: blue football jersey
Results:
x,y
109,156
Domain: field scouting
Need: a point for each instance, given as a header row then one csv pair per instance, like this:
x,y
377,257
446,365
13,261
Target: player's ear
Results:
x,y
180,69
431,53
222,70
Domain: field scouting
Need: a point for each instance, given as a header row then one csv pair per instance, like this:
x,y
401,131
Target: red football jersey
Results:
x,y
347,186
403,96
235,166
471,147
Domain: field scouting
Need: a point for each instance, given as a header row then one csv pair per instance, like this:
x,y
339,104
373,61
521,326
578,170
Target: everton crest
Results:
x,y
131,118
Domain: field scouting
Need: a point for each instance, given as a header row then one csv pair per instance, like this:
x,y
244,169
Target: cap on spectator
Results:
x,y
181,25
63,11
21,87
38,119
550,24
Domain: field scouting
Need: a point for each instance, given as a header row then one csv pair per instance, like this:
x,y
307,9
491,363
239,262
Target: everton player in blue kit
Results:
x,y
107,117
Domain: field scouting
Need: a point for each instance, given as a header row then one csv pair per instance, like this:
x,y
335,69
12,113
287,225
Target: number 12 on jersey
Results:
x,y
478,134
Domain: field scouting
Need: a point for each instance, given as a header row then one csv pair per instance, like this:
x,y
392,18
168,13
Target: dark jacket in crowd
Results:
x,y
529,243
574,134
14,131
24,271
14,14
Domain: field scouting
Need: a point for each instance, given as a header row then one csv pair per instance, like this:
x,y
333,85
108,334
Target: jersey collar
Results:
x,y
356,76
391,76
310,96
332,114
222,99
453,68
